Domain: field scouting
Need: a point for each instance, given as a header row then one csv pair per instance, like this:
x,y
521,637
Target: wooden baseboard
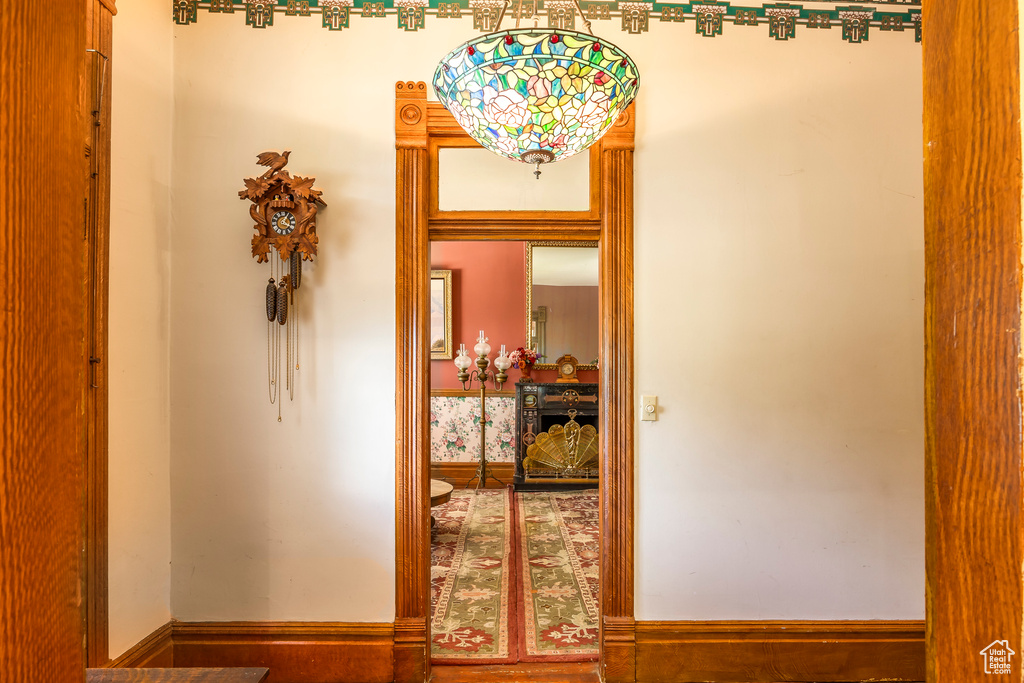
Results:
x,y
458,474
412,650
618,649
295,652
741,651
665,651
153,651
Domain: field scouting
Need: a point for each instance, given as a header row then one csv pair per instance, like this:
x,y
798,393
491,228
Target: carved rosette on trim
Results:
x,y
284,208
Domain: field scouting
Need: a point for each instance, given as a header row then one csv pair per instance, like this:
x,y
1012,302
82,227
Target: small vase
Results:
x,y
525,369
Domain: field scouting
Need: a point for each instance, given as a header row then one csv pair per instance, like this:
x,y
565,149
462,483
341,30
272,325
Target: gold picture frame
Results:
x,y
440,315
531,319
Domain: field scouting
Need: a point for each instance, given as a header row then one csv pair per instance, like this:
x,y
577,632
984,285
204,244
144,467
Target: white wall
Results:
x,y
139,355
779,297
779,261
289,520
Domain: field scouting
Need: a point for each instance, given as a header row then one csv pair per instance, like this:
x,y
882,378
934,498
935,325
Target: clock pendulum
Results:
x,y
284,208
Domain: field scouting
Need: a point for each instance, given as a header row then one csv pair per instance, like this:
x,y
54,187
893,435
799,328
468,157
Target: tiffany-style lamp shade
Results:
x,y
536,95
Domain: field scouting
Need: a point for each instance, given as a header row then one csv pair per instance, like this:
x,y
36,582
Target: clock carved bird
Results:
x,y
274,160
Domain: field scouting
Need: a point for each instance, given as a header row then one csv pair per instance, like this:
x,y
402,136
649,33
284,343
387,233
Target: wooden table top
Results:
x,y
440,492
182,675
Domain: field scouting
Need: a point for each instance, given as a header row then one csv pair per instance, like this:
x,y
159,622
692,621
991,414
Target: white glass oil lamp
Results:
x,y
482,375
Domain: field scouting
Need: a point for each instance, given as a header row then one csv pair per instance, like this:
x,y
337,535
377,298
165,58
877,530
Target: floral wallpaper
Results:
x,y
455,429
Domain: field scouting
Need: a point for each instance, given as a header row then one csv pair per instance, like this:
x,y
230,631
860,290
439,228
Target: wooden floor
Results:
x,y
565,672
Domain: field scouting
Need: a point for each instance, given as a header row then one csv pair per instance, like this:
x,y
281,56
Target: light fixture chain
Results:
x,y
501,15
583,17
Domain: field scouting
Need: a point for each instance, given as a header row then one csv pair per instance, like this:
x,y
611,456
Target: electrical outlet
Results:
x,y
648,408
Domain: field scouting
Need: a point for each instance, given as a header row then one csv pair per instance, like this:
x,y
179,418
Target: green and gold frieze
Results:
x,y
853,21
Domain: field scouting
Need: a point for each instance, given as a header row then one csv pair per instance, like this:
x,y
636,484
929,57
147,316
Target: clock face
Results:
x,y
568,368
283,222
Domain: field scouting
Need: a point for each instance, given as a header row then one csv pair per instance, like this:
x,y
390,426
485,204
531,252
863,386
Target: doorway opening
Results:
x,y
515,539
422,129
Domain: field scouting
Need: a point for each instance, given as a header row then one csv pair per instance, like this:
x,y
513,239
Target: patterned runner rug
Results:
x,y
559,552
471,579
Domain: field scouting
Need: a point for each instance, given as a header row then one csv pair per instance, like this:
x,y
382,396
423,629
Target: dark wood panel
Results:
x,y
164,675
153,651
295,652
972,186
458,474
737,652
42,340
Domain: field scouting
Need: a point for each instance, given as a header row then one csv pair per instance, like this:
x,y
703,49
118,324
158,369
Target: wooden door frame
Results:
x,y
421,128
973,289
99,64
43,359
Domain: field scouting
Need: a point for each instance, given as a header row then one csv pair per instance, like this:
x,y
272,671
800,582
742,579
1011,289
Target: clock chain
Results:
x,y
274,344
290,351
280,296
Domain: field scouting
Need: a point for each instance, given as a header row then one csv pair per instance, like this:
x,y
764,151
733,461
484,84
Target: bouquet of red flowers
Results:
x,y
523,357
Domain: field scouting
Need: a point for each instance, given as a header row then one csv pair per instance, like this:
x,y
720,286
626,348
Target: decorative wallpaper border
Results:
x,y
709,18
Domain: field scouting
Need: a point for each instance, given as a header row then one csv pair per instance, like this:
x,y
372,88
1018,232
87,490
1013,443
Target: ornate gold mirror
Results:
x,y
562,302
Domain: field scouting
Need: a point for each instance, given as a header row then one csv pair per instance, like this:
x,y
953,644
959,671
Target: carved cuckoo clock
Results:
x,y
284,208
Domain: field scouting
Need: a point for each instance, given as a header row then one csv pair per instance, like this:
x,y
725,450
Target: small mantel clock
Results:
x,y
567,368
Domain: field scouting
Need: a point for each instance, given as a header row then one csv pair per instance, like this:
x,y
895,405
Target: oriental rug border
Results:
x,y
558,548
473,605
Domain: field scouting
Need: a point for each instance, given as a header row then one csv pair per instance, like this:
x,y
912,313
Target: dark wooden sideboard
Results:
x,y
540,406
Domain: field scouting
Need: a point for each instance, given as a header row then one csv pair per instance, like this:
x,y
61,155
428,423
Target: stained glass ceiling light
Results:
x,y
536,95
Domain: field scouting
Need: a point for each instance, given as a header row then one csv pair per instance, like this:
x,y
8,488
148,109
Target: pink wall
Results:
x,y
572,325
489,293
